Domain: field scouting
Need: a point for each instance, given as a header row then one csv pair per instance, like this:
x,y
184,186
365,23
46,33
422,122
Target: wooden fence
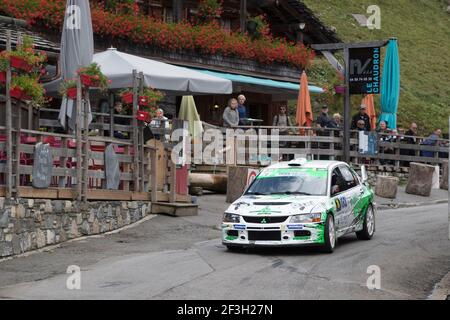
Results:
x,y
326,144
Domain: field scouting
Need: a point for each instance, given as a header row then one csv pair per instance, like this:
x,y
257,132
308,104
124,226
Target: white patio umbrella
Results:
x,y
118,67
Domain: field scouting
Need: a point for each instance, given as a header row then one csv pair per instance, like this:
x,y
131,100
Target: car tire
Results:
x,y
368,226
329,235
232,248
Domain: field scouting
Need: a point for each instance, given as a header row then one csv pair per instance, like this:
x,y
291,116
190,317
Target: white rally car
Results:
x,y
301,202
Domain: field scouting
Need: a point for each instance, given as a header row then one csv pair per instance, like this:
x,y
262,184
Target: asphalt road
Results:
x,y
182,258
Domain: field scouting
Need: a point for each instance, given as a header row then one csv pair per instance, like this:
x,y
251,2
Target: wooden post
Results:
x,y
8,124
63,163
141,140
154,179
135,134
347,113
173,182
78,139
243,16
85,145
111,114
17,152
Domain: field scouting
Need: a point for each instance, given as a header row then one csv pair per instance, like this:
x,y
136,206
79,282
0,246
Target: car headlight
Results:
x,y
305,218
231,217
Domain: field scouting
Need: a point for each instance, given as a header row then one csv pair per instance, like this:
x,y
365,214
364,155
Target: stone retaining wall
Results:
x,y
31,224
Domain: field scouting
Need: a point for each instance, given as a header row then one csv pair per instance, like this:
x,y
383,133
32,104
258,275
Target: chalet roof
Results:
x,y
16,29
287,13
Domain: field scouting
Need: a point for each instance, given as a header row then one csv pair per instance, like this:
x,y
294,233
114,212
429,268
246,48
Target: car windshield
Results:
x,y
302,181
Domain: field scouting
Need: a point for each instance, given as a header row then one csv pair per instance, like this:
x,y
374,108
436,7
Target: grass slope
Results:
x,y
423,31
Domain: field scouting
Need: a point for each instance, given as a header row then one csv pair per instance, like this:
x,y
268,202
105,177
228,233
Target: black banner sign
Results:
x,y
365,75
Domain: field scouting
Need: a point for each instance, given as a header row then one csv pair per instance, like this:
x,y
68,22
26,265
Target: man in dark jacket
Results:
x,y
324,120
362,115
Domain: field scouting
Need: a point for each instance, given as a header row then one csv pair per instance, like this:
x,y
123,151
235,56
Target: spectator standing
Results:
x,y
118,112
432,140
338,120
231,114
282,120
323,120
242,110
409,138
159,122
361,115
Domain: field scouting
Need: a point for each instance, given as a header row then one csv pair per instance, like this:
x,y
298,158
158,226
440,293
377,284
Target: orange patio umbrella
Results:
x,y
304,116
368,102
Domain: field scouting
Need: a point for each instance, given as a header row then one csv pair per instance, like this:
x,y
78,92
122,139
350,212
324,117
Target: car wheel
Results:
x,y
329,235
233,248
369,225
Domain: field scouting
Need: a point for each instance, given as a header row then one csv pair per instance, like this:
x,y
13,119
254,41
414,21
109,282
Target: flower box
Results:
x,y
89,81
143,101
339,89
143,116
127,97
3,77
21,64
18,94
71,93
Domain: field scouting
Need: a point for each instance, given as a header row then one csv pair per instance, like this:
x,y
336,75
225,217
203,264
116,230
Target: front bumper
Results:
x,y
272,235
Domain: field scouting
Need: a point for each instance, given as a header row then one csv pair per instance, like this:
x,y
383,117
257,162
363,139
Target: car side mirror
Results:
x,y
364,176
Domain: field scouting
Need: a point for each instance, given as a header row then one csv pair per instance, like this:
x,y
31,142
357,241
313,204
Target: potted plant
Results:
x,y
143,115
4,62
339,88
92,76
126,96
257,27
69,88
208,11
24,57
25,87
150,97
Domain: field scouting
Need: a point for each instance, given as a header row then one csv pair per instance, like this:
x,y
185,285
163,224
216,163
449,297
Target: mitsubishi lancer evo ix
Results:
x,y
299,203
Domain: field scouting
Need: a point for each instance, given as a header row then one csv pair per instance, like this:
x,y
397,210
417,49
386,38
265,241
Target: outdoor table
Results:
x,y
252,121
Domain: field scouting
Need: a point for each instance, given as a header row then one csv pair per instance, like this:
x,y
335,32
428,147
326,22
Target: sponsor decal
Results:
x,y
295,226
239,226
340,203
301,238
265,210
293,172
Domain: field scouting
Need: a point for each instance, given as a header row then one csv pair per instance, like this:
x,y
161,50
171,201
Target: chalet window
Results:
x,y
226,25
168,15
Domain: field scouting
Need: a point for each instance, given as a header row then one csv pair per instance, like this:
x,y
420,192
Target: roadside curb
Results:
x,y
390,206
441,290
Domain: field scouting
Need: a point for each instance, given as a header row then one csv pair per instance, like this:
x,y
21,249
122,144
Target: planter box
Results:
x,y
127,98
143,116
71,93
143,101
21,64
18,94
88,81
339,89
3,77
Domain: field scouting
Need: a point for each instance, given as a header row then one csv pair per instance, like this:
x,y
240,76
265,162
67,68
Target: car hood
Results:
x,y
277,205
